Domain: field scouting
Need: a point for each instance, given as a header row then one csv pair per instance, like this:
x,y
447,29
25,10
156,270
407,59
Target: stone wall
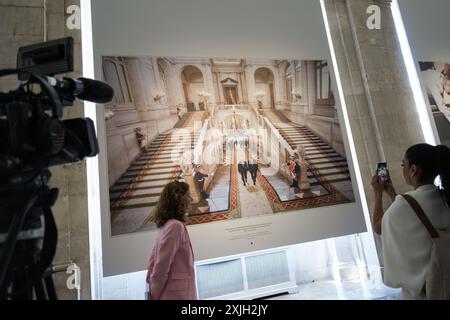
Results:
x,y
22,23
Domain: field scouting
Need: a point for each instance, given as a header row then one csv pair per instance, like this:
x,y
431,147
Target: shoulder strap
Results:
x,y
422,216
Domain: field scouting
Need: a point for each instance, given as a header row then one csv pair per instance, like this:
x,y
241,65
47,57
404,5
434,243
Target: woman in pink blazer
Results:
x,y
171,274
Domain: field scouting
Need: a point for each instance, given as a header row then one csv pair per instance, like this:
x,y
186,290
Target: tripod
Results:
x,y
27,253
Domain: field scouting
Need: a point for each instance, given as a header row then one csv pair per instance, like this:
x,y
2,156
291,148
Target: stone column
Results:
x,y
310,88
158,82
249,72
22,23
279,86
243,85
173,86
144,81
221,77
299,106
217,88
383,117
209,86
304,82
293,81
151,85
379,81
140,81
297,87
177,84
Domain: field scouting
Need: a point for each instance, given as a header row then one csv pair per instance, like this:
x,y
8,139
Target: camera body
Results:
x,y
33,135
33,138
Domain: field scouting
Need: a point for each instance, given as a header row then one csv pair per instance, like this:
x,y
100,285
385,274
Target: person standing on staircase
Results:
x,y
294,170
243,168
171,274
253,168
200,178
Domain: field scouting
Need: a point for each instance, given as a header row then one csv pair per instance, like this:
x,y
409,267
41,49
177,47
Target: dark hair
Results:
x,y
169,205
432,161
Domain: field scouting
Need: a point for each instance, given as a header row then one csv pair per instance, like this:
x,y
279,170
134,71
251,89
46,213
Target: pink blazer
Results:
x,y
171,274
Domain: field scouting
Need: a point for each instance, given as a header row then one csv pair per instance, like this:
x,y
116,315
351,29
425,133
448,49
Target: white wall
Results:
x,y
210,28
427,26
215,28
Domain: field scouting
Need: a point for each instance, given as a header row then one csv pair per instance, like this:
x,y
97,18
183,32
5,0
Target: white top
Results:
x,y
406,242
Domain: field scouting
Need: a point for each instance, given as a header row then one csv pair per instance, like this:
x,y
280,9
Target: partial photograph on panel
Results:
x,y
250,137
436,79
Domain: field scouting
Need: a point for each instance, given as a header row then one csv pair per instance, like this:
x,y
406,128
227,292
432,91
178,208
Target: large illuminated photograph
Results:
x,y
436,80
251,137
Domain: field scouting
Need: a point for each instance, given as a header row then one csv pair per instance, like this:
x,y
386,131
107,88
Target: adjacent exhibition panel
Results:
x,y
435,77
428,38
244,111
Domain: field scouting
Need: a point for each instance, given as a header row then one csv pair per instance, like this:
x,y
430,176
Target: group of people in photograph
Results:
x,y
242,142
248,166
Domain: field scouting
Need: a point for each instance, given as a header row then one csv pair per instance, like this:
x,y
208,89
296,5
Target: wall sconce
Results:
x,y
108,114
296,94
159,96
204,94
260,95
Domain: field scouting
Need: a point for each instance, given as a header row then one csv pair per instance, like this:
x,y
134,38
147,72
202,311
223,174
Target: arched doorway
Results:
x,y
193,85
264,88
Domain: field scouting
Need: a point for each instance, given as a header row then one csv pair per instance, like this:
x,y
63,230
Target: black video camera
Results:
x,y
32,133
32,138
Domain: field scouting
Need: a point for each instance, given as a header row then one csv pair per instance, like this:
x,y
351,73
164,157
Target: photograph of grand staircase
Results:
x,y
236,130
328,171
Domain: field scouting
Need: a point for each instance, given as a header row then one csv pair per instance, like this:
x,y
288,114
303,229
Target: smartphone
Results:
x,y
382,172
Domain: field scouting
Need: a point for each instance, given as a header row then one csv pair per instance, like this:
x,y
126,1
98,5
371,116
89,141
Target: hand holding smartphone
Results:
x,y
382,172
